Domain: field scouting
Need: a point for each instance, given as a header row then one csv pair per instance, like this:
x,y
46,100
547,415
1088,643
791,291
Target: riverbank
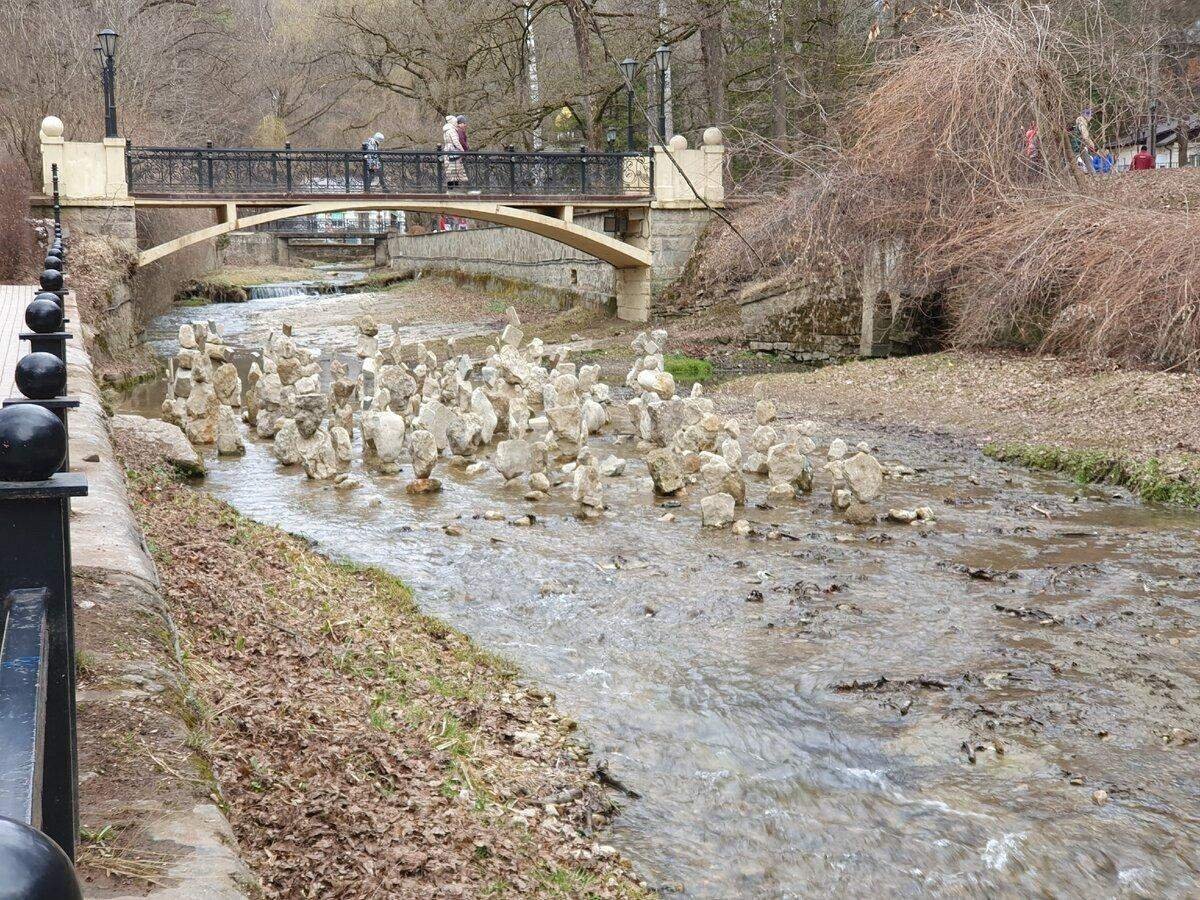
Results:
x,y
1132,428
422,766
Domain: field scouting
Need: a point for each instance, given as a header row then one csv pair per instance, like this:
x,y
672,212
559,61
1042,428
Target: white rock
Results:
x,y
424,453
716,510
660,383
287,443
837,449
864,477
317,456
611,466
786,464
482,408
765,412
512,335
229,433
588,489
389,441
594,416
514,458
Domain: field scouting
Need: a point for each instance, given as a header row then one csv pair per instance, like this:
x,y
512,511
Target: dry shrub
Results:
x,y
934,163
18,248
1083,277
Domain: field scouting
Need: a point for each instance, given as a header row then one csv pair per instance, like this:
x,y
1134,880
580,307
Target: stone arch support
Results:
x,y
609,249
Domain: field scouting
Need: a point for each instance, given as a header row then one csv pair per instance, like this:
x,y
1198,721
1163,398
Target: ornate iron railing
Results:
x,y
223,171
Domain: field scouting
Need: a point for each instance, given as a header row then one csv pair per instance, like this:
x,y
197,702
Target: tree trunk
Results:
x,y
578,13
828,23
778,82
1181,142
712,53
531,69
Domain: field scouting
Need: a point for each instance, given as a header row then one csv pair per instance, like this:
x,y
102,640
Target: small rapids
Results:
x,y
284,289
894,710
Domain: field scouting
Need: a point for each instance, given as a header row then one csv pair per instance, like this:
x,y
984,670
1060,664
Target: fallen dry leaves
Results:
x,y
363,749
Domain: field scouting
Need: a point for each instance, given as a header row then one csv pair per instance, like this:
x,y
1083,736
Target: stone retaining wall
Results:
x,y
116,575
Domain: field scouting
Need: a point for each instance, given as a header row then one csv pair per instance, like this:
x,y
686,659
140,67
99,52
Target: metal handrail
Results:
x,y
316,171
39,785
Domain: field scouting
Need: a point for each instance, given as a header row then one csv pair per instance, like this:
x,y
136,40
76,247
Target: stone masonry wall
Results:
x,y
524,256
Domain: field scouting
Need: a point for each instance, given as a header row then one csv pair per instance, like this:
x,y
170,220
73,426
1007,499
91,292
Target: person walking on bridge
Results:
x,y
456,172
374,162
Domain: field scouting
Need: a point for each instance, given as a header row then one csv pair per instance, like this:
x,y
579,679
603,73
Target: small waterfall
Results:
x,y
283,289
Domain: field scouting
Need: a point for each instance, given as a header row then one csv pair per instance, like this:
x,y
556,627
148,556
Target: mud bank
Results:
x,y
1122,426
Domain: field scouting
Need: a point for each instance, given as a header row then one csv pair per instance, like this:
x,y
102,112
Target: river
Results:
x,y
828,709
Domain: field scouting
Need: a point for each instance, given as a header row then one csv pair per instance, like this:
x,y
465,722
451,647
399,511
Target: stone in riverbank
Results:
x,y
664,472
163,438
717,511
229,433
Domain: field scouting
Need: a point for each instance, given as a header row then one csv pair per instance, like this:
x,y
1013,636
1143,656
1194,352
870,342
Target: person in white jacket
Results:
x,y
456,172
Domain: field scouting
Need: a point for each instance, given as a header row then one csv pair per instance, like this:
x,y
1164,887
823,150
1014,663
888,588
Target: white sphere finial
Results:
x,y
713,136
678,143
52,126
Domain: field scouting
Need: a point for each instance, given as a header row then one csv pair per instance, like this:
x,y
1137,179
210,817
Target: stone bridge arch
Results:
x,y
632,263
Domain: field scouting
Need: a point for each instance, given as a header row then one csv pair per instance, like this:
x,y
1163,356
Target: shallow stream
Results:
x,y
1037,645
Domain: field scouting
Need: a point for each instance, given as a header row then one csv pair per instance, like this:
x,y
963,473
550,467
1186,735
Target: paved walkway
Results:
x,y
13,300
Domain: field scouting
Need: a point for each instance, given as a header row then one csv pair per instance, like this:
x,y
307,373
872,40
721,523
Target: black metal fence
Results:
x,y
321,227
509,173
39,795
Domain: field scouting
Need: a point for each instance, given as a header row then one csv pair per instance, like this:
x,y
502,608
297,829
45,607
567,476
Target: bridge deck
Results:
x,y
202,197
13,300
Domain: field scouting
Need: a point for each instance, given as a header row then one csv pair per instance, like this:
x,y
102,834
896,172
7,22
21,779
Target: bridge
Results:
x,y
249,188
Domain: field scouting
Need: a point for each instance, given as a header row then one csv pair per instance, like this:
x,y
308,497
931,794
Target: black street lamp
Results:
x,y
628,71
663,57
107,52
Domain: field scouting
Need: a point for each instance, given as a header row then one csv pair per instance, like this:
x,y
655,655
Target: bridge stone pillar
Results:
x,y
633,294
283,252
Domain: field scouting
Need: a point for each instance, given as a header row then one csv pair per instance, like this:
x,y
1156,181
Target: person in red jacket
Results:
x,y
1142,160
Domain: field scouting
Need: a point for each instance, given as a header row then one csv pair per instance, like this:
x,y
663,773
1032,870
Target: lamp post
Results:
x,y
611,137
107,52
628,71
663,57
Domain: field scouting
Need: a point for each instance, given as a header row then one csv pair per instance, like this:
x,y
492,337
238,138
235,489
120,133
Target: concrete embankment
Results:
x,y
148,819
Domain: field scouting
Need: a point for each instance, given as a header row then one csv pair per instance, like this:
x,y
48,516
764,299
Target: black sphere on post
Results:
x,y
48,295
33,445
44,315
51,280
41,376
53,261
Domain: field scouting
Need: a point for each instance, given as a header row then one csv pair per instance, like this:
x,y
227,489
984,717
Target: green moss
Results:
x,y
1147,478
688,368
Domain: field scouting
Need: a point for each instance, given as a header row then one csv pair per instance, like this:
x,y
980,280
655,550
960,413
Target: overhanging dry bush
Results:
x,y
17,244
1081,276
935,164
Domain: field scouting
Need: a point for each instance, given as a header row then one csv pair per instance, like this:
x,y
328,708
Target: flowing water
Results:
x,y
829,710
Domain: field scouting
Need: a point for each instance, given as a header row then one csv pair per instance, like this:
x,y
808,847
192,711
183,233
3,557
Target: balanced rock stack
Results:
x,y
204,390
